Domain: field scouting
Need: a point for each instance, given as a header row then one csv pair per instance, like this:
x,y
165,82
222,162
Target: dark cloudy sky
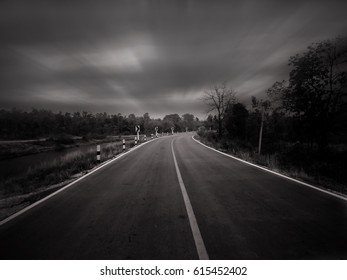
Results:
x,y
151,56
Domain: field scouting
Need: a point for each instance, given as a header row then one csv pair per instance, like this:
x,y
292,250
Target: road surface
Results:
x,y
173,198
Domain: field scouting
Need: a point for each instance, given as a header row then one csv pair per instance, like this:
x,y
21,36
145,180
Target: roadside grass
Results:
x,y
19,192
13,149
58,170
325,169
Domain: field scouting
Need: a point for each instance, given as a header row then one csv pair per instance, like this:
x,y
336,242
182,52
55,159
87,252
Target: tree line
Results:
x,y
16,124
310,108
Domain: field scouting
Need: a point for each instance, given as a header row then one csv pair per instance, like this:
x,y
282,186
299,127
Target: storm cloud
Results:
x,y
151,56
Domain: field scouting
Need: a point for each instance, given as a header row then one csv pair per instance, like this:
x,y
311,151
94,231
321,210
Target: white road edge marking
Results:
x,y
274,172
199,242
72,183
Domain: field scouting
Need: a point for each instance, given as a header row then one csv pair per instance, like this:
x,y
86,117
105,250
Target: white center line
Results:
x,y
199,242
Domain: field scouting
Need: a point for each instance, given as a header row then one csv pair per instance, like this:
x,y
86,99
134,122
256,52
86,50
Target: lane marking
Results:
x,y
274,172
72,183
199,242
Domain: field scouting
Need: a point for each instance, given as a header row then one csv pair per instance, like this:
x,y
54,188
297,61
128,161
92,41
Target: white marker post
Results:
x,y
123,145
172,130
98,153
156,132
135,141
137,130
151,135
145,138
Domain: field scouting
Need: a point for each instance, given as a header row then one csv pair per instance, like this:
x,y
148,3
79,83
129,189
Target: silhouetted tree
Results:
x,y
217,98
188,122
235,120
318,87
209,123
172,120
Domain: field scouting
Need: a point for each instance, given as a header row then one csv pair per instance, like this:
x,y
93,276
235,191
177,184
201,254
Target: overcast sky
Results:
x,y
151,56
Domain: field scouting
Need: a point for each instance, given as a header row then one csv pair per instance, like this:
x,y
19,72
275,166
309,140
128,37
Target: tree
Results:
x,y
217,98
235,120
172,120
275,95
209,123
318,87
188,121
146,123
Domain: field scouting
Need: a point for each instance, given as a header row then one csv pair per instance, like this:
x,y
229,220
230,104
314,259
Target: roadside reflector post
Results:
x,y
123,145
151,135
137,130
98,153
156,132
145,138
135,140
172,130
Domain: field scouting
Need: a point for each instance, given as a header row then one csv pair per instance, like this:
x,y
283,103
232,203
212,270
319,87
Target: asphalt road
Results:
x,y
134,208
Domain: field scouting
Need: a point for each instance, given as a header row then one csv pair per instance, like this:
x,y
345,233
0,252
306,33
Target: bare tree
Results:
x,y
217,98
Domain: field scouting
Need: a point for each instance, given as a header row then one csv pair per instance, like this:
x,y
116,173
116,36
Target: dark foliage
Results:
x,y
60,127
303,121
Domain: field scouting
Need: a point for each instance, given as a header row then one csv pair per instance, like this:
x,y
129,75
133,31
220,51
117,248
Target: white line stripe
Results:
x,y
69,185
273,172
199,242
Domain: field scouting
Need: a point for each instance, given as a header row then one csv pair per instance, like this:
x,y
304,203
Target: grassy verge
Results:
x,y
21,191
325,169
58,170
14,149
